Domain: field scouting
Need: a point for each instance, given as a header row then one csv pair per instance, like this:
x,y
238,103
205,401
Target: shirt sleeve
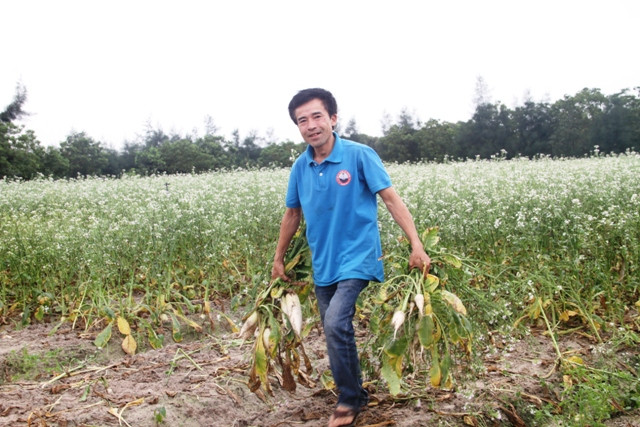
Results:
x,y
293,199
373,170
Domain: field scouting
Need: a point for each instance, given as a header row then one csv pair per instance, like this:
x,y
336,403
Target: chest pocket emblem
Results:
x,y
343,177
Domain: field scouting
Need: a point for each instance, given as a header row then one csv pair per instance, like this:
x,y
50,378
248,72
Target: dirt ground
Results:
x,y
203,382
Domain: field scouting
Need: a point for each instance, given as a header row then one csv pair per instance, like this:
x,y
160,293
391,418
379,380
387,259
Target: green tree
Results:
x,y
490,131
183,156
399,143
155,137
618,128
574,118
534,123
350,130
232,147
115,163
20,152
280,155
14,110
482,94
54,164
85,156
128,156
352,133
150,161
213,147
436,140
250,150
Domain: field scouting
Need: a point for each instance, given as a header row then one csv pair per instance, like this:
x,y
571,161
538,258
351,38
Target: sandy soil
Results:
x,y
202,382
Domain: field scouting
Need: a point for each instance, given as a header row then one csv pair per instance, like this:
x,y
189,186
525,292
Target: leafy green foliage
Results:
x,y
85,155
593,394
31,365
428,323
21,155
159,415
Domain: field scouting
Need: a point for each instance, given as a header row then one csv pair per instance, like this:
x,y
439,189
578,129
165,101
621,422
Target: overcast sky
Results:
x,y
111,68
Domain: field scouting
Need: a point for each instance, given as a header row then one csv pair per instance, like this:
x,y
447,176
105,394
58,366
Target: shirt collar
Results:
x,y
336,153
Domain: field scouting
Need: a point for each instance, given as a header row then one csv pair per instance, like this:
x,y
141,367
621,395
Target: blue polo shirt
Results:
x,y
338,200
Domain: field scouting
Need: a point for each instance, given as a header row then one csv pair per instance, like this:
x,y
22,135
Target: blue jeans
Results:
x,y
337,305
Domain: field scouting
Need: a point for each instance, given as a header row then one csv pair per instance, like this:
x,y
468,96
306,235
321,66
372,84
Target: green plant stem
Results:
x,y
551,334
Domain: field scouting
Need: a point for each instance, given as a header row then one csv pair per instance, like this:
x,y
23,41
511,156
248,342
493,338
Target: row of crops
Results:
x,y
519,242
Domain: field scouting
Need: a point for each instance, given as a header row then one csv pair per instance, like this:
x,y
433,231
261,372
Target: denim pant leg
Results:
x,y
337,305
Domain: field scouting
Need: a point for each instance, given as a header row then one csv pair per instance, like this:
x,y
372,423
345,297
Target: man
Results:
x,y
334,184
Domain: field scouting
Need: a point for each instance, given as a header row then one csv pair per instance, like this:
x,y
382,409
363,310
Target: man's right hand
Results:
x,y
288,227
277,271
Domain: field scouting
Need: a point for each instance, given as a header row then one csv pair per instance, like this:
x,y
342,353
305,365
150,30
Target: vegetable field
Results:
x,y
121,301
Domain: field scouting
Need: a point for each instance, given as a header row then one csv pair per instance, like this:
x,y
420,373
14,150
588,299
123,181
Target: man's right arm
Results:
x,y
288,227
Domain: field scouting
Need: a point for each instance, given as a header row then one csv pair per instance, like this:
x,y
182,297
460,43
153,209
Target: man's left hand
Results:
x,y
420,260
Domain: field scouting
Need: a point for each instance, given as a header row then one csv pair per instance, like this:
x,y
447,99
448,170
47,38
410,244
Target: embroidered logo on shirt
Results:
x,y
343,177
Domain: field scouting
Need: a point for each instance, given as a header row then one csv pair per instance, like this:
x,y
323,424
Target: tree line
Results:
x,y
573,126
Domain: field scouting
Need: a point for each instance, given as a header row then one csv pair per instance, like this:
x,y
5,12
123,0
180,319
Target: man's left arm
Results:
x,y
401,215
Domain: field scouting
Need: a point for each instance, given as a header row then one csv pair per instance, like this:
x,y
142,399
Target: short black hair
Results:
x,y
307,95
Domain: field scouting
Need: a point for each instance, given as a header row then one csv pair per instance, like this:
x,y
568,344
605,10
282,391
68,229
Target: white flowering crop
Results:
x,y
217,231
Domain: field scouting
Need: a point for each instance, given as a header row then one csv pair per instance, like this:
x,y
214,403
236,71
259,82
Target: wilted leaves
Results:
x,y
128,345
123,326
434,324
454,302
276,315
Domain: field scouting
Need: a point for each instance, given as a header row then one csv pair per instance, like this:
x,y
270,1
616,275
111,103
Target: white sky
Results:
x,y
110,68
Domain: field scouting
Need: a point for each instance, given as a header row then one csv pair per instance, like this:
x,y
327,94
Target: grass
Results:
x,y
25,365
544,241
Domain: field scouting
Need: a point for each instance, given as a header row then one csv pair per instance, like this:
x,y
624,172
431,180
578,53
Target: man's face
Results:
x,y
314,123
